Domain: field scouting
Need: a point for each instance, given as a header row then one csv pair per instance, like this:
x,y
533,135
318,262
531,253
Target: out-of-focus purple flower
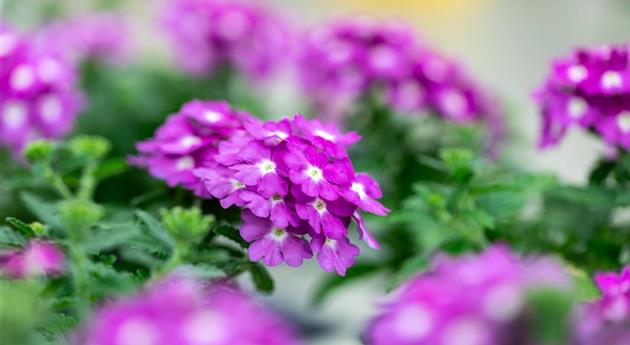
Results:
x,y
102,36
38,96
188,140
208,34
606,320
297,185
347,59
473,300
590,89
38,258
181,311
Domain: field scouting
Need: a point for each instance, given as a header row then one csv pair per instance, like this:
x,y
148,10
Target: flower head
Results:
x,y
38,97
590,89
474,300
210,33
180,311
189,140
38,258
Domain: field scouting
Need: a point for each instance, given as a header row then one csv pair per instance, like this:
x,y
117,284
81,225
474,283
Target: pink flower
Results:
x,y
334,255
38,258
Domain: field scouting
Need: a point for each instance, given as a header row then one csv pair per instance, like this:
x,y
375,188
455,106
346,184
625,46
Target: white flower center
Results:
x,y
276,199
22,77
280,134
611,80
137,332
212,116
502,303
266,166
577,107
359,189
325,135
49,70
278,234
50,108
185,163
330,242
320,206
623,121
7,44
14,114
236,184
413,322
189,141
205,328
383,57
435,69
577,73
453,103
410,93
314,173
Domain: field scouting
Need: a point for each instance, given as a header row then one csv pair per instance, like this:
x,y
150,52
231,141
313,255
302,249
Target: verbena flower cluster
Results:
x,y
38,258
293,178
38,97
103,36
607,320
181,311
590,89
472,300
345,60
209,34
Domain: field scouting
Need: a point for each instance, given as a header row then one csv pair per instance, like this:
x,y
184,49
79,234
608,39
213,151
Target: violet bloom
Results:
x,y
38,96
473,300
208,34
590,89
351,58
181,311
297,185
606,320
188,140
101,36
38,258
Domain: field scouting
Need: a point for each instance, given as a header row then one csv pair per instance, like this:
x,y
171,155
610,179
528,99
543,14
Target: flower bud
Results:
x,y
80,214
38,151
188,225
89,146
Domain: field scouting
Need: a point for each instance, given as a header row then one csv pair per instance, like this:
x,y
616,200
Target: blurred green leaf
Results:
x,y
155,229
11,238
261,278
333,282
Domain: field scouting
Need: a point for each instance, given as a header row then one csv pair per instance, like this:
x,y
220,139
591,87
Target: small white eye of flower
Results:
x,y
137,332
212,116
48,70
189,141
413,322
454,103
576,107
623,121
205,328
577,73
320,205
50,108
314,173
8,42
22,77
266,166
14,114
611,80
185,163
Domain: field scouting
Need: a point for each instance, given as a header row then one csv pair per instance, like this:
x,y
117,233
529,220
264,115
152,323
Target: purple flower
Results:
x,y
181,311
590,89
296,184
189,140
348,59
272,243
38,97
476,299
38,258
210,33
102,36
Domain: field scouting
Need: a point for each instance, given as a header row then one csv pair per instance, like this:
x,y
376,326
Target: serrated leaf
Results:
x,y
109,236
261,277
334,282
20,226
141,257
43,210
232,234
11,238
155,229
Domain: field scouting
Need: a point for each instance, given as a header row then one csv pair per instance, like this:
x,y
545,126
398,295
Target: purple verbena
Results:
x,y
591,89
38,258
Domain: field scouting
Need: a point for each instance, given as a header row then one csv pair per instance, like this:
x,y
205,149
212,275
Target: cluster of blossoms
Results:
x,y
38,258
38,97
102,36
472,300
591,89
293,178
607,320
181,311
348,58
208,34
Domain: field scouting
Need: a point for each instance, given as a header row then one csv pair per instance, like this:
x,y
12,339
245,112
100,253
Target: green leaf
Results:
x,y
261,277
231,233
43,210
155,229
22,227
334,282
109,168
585,288
205,271
110,236
11,238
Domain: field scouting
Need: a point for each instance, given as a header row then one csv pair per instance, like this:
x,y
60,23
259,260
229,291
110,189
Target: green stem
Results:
x,y
176,259
88,182
80,279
